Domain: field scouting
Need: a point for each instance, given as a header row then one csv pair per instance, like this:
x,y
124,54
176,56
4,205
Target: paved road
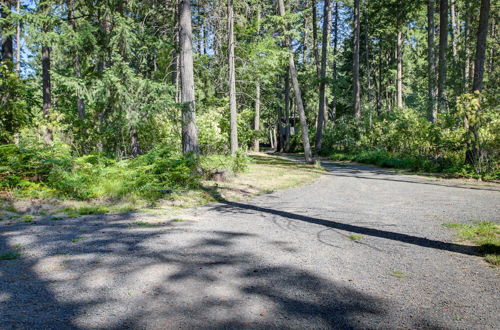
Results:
x,y
282,260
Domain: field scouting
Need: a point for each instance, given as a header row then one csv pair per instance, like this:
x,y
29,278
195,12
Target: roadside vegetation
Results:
x,y
484,234
161,180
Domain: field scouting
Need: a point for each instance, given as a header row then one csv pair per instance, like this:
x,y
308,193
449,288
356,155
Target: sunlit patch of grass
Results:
x,y
85,210
355,237
144,224
484,234
397,273
27,218
177,220
79,239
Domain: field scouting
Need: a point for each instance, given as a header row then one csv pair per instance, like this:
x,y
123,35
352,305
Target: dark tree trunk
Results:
x,y
232,79
287,111
189,130
335,42
355,66
7,41
443,45
46,90
80,102
315,35
431,62
322,111
134,142
399,71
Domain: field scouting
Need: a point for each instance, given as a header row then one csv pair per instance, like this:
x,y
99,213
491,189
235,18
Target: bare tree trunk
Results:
x,y
482,34
134,142
367,53
257,116
454,32
298,96
335,42
466,68
315,35
379,84
443,44
399,71
176,58
355,66
7,41
322,111
232,79
18,38
46,90
431,62
80,103
189,130
287,111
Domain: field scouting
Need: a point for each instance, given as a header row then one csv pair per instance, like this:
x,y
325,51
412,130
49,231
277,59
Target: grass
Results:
x,y
79,239
177,220
27,218
484,234
85,210
144,224
355,237
10,255
397,273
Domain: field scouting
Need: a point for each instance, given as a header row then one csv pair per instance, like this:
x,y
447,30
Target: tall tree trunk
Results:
x,y
257,117
443,44
134,142
80,102
46,90
315,35
482,34
466,69
473,154
18,38
399,71
355,65
189,130
335,42
322,111
176,59
287,111
431,62
232,79
7,41
454,32
379,84
298,96
367,53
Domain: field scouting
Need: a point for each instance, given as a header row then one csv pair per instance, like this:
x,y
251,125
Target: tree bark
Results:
x,y
355,66
18,38
134,142
466,68
482,34
189,130
454,32
287,111
367,53
257,116
46,90
315,35
335,42
322,111
7,41
473,155
80,102
232,79
443,44
399,71
298,96
431,63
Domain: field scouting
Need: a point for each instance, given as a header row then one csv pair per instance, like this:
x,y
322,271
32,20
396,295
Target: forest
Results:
x,y
114,97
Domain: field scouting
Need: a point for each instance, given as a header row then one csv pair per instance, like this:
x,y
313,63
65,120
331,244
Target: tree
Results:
x,y
431,62
6,33
232,79
322,111
298,95
189,130
443,44
482,34
355,65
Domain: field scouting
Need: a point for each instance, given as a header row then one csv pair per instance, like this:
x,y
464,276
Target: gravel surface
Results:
x,y
360,248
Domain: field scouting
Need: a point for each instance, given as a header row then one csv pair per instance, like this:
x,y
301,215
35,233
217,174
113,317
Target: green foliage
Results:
x,y
13,109
405,139
220,163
